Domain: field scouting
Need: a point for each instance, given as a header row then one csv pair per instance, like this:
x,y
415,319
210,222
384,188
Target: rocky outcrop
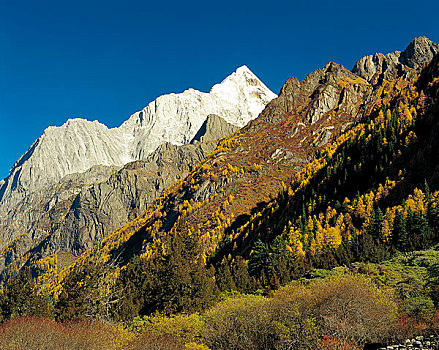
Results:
x,y
375,68
324,90
419,52
213,128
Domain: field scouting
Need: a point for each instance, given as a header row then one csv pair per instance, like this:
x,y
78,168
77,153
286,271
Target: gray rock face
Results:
x,y
419,52
73,147
376,67
213,129
324,104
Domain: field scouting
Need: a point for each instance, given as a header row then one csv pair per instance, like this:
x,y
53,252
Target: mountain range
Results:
x,y
165,171
235,219
80,181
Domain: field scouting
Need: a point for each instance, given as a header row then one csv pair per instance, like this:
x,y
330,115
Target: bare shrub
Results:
x,y
353,309
42,334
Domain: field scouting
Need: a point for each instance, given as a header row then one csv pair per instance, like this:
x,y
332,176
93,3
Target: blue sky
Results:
x,y
105,60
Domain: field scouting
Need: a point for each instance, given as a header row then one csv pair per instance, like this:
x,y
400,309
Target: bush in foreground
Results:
x,y
34,333
349,309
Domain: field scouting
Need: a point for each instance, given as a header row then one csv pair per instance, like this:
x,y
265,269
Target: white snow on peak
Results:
x,y
243,88
79,144
176,118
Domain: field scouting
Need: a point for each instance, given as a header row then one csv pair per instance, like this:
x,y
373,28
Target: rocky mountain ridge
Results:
x,y
77,216
375,68
80,144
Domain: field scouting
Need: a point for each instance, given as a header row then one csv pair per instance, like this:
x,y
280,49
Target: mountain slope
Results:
x,y
221,209
372,192
83,208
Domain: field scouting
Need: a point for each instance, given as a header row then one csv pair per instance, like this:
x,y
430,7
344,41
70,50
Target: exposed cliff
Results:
x,y
375,68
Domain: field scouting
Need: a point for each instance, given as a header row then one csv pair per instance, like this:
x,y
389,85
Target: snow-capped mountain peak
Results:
x,y
79,144
243,87
176,118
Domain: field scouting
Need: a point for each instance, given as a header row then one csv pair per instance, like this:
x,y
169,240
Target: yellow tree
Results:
x,y
333,237
360,209
295,242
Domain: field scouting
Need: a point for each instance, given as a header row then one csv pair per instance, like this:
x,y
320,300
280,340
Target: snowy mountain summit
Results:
x,y
79,144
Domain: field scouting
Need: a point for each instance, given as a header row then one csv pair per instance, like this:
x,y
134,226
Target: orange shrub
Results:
x,y
333,343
